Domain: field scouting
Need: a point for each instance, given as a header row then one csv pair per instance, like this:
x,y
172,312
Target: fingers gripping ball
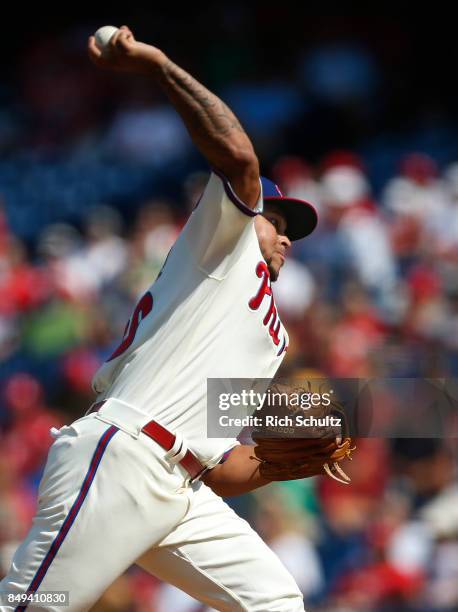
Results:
x,y
298,452
103,37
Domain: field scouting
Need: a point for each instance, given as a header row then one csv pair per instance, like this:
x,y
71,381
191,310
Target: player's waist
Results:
x,y
133,421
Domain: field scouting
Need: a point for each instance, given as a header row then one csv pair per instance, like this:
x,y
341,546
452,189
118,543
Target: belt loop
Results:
x,y
176,450
180,454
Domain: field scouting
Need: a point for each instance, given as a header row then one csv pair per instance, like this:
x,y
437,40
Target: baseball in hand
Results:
x,y
103,37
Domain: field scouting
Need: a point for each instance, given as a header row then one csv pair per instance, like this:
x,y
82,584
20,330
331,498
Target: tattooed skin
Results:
x,y
212,125
206,105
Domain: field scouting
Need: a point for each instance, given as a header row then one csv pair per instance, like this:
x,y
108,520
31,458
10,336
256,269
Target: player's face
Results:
x,y
274,244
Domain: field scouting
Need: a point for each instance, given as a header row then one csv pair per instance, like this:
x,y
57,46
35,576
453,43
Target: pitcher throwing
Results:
x,y
136,480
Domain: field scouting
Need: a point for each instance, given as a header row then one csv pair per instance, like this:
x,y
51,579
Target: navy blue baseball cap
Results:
x,y
301,217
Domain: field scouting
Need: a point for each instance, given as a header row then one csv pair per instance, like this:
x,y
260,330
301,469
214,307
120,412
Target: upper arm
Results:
x,y
219,227
243,175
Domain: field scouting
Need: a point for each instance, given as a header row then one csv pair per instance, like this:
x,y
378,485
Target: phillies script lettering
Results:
x,y
271,319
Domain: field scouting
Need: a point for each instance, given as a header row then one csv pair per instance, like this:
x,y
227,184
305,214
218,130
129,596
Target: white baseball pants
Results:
x,y
108,500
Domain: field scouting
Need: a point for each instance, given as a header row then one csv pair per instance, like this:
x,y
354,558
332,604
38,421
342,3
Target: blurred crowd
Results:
x,y
98,177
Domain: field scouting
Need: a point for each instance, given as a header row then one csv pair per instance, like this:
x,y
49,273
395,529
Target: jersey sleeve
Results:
x,y
219,226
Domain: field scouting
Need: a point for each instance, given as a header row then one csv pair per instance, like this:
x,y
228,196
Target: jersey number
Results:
x,y
142,309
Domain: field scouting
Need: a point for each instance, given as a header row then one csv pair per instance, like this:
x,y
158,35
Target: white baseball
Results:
x,y
103,36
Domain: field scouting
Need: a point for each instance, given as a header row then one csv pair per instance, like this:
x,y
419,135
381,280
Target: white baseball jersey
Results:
x,y
210,314
108,499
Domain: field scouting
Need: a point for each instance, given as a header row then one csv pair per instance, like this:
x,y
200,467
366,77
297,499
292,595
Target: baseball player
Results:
x,y
136,480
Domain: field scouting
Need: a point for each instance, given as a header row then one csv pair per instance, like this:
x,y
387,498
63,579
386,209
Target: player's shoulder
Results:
x,y
219,189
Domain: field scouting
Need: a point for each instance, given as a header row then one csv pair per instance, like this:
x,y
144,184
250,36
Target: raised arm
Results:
x,y
213,127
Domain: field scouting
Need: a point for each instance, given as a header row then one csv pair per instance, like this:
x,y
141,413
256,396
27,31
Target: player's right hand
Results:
x,y
126,54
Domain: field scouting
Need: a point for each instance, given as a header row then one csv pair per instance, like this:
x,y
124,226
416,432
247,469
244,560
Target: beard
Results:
x,y
272,270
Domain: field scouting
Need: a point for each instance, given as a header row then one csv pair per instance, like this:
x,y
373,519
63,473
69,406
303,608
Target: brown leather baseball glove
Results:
x,y
290,453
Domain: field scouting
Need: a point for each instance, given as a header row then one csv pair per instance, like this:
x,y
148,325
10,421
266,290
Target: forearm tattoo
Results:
x,y
209,120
